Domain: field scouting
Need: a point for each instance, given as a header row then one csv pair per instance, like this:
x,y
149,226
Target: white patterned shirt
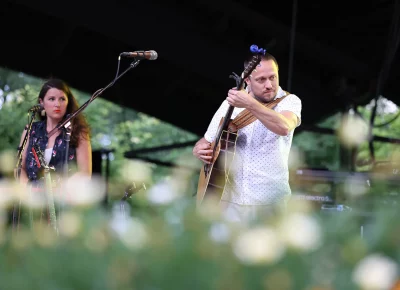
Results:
x,y
259,174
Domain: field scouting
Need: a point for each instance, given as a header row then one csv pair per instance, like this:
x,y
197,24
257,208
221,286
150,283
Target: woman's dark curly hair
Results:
x,y
80,126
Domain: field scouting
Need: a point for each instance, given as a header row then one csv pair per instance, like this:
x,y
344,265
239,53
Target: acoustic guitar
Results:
x,y
213,176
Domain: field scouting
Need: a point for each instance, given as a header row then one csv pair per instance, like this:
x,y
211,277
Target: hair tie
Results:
x,y
254,49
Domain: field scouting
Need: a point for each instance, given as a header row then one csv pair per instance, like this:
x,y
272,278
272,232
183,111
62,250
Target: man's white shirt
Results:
x,y
259,173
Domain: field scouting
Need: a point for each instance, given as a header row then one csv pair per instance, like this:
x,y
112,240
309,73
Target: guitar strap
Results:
x,y
245,117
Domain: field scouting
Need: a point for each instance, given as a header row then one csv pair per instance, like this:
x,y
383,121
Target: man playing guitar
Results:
x,y
258,183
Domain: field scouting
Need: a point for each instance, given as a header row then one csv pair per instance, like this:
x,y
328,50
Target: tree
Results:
x,y
112,127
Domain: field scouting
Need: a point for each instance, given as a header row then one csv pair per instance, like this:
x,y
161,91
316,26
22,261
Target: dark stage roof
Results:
x,y
339,54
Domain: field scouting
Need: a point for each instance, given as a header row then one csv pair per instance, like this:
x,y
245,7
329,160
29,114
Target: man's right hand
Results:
x,y
202,150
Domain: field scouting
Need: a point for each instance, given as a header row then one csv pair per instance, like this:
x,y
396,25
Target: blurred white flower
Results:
x,y
173,215
352,131
173,187
137,171
31,197
132,232
296,157
356,186
8,191
298,202
81,190
300,231
375,272
70,224
258,246
44,235
162,193
385,106
210,209
7,161
119,219
219,232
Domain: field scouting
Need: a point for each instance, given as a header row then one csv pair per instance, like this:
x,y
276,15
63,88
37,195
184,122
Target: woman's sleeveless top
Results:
x,y
38,135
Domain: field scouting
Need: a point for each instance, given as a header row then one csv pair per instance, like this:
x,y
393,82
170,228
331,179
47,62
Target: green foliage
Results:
x,y
174,246
324,150
320,151
112,127
17,94
385,152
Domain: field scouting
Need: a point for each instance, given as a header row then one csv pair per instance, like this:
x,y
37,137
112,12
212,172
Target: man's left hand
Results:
x,y
239,99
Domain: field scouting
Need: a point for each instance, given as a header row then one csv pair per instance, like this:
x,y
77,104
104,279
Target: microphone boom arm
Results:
x,y
94,96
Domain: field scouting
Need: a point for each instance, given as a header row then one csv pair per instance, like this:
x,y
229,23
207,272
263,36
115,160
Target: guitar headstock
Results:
x,y
39,156
255,60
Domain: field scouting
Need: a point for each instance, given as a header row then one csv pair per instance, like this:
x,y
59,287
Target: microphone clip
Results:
x,y
36,108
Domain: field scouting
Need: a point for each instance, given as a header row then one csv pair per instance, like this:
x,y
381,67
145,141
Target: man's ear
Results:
x,y
247,81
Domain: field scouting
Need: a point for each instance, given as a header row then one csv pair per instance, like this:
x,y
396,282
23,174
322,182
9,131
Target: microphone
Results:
x,y
140,54
36,108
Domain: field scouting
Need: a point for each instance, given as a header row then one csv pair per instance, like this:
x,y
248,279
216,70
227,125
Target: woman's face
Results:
x,y
55,103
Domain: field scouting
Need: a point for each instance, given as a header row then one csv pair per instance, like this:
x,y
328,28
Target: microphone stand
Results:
x,y
67,137
22,147
66,124
19,165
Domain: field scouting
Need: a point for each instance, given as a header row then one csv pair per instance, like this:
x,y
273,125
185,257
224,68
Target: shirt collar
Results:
x,y
280,93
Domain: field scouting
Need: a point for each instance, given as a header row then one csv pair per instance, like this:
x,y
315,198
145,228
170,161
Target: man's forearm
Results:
x,y
274,121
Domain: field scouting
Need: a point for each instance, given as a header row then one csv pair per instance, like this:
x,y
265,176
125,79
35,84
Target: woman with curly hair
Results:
x,y
43,151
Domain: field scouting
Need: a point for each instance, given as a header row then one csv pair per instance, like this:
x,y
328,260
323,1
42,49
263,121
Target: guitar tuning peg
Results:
x,y
234,75
236,78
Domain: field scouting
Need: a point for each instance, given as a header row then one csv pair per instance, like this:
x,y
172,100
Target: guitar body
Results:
x,y
213,176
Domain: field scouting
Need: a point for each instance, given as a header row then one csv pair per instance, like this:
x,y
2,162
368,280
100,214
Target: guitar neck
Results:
x,y
227,118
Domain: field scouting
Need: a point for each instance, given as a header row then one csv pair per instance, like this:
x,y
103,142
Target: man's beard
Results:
x,y
265,99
